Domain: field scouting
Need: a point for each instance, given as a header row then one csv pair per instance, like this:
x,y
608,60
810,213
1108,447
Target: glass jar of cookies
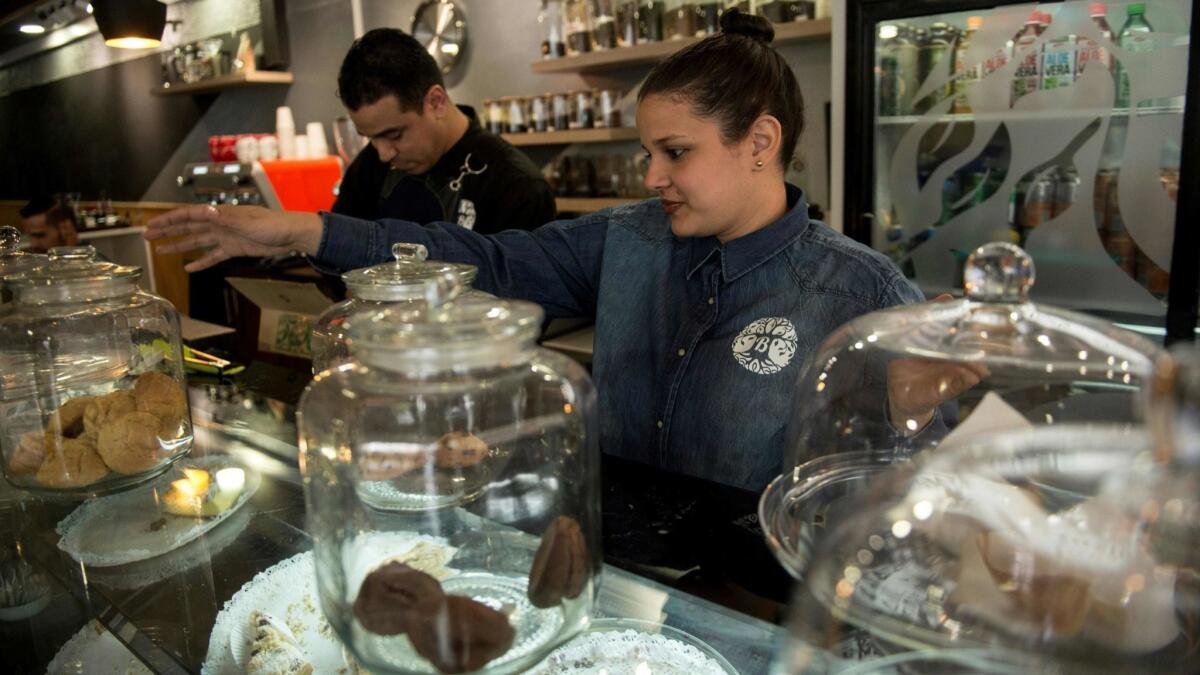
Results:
x,y
93,396
451,482
375,288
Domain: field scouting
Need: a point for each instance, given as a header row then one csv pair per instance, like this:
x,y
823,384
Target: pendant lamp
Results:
x,y
130,24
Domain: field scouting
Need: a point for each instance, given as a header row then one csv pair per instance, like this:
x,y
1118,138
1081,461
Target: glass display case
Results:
x,y
1058,126
929,377
91,378
451,476
375,288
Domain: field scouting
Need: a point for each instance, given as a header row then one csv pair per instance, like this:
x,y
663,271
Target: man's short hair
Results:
x,y
387,61
56,210
38,205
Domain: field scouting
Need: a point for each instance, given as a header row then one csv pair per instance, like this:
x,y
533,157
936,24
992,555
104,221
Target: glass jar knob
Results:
x,y
441,288
409,252
998,272
10,238
72,254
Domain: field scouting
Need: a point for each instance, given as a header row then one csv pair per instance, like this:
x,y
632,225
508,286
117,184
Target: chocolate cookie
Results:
x,y
391,594
103,410
70,462
562,566
161,396
462,635
389,465
30,452
458,449
130,444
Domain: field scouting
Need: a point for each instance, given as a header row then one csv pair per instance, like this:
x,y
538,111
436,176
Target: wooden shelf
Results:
x,y
573,136
224,82
590,204
651,52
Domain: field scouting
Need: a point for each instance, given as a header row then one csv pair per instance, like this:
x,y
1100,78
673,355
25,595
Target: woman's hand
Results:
x,y
228,231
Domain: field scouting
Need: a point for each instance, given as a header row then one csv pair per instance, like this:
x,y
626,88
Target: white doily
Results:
x,y
628,652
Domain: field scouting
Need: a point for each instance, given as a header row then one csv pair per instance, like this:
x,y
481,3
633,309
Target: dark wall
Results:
x,y
102,130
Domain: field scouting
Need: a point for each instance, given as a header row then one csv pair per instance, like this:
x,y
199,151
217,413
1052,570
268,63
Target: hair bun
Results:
x,y
736,22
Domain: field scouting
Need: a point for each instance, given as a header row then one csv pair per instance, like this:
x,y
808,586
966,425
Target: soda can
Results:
x,y
1067,190
1040,200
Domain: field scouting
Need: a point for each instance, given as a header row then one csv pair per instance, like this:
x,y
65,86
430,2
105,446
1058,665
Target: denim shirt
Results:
x,y
698,344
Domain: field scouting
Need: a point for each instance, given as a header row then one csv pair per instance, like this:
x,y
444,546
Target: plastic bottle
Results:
x,y
1134,37
1091,50
965,74
1028,76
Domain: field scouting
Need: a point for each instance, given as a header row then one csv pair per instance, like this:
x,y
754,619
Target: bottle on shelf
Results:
x,y
1058,62
627,23
1092,50
550,21
679,19
965,75
650,20
898,59
1028,76
516,115
708,18
934,46
1135,36
604,25
578,27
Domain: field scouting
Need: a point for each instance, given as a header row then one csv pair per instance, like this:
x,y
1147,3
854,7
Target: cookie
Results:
x,y
161,396
561,567
68,419
70,462
458,449
102,410
130,444
389,465
462,635
30,452
391,594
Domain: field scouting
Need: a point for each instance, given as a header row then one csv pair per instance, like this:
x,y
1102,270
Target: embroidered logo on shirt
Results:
x,y
766,346
466,213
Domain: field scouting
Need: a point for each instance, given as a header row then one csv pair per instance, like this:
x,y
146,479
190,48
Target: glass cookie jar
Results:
x,y
92,388
374,288
927,377
451,482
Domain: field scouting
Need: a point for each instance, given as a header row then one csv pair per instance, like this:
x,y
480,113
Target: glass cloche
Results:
x,y
931,376
14,261
1013,552
371,289
451,476
92,389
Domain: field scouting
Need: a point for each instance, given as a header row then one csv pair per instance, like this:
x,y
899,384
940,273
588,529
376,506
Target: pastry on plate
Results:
x,y
30,452
130,444
458,449
70,462
103,410
274,650
460,635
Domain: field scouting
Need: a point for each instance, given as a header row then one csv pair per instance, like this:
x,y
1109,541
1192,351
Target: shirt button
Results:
x,y
660,424
682,352
711,300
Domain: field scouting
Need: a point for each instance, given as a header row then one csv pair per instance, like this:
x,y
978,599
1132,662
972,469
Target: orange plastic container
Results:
x,y
304,184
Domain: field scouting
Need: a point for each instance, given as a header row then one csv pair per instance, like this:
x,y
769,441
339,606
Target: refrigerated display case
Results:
x,y
1064,127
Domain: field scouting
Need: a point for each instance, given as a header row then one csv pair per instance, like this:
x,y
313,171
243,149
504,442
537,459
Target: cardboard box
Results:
x,y
288,310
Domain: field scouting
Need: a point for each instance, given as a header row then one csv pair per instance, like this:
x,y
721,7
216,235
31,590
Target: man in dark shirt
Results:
x,y
428,160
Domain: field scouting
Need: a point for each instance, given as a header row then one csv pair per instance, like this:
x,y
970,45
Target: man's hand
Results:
x,y
228,231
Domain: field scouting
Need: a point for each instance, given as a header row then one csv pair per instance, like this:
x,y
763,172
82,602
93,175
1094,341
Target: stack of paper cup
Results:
x,y
317,147
285,129
302,147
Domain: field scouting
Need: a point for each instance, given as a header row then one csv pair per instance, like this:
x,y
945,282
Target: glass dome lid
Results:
x,y
450,330
12,259
890,383
71,274
1012,552
405,278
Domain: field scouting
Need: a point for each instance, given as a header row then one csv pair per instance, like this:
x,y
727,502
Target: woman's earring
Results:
x,y
759,164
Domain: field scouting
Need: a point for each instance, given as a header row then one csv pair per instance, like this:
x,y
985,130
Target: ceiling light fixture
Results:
x,y
32,29
130,24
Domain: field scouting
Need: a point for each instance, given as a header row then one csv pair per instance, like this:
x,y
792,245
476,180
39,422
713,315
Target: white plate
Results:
x,y
288,591
94,651
629,647
132,526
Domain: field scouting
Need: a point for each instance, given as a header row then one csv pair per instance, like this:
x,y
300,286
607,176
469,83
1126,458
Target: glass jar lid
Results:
x,y
405,278
72,273
449,331
12,259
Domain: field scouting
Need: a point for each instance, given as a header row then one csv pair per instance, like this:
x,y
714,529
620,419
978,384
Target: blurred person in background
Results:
x,y
47,222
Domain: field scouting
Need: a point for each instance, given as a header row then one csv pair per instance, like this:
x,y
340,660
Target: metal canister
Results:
x,y
560,113
1067,189
1040,200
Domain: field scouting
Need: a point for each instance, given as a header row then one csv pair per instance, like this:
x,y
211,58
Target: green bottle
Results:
x,y
1134,37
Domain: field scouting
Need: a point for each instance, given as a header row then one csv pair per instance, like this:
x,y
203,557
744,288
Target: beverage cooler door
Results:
x,y
1056,126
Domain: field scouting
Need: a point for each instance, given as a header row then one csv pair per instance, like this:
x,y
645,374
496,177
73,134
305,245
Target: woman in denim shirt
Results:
x,y
707,299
